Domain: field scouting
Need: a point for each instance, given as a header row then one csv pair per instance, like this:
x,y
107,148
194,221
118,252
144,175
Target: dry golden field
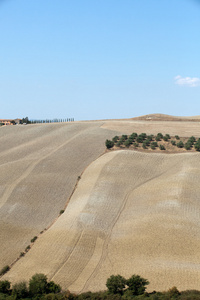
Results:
x,y
131,212
39,166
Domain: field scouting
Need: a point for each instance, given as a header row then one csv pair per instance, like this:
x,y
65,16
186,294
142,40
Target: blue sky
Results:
x,y
99,59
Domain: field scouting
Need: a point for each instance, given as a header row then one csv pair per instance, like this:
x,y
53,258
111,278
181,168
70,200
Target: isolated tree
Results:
x,y
137,285
109,144
116,284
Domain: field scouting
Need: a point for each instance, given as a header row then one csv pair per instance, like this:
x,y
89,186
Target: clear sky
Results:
x,y
99,59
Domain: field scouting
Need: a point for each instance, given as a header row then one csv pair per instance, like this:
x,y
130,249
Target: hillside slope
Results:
x,y
132,213
39,166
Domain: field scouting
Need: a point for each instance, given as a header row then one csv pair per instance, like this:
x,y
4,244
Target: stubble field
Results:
x,y
131,213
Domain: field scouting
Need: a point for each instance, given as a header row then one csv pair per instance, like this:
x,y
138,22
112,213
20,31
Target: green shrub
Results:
x,y
180,144
162,147
115,139
133,135
173,143
62,211
127,143
165,138
34,239
150,137
137,285
4,286
116,284
4,270
109,144
177,137
187,146
20,290
197,146
119,143
38,284
27,248
159,135
139,139
53,287
135,145
124,137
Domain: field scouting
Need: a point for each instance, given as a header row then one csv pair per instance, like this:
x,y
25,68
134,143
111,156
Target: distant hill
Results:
x,y
163,117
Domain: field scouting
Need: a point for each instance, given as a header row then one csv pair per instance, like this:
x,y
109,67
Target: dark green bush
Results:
x,y
4,286
38,285
127,143
137,285
177,137
187,146
62,211
180,144
109,144
4,270
150,137
162,147
173,143
119,143
135,145
192,140
115,139
20,290
165,138
34,239
124,137
139,139
116,284
133,135
27,248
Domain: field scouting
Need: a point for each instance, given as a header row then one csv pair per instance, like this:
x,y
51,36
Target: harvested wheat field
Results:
x,y
39,166
131,212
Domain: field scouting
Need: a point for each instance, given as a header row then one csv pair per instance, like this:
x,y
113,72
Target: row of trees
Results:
x,y
52,121
27,121
38,287
151,141
118,288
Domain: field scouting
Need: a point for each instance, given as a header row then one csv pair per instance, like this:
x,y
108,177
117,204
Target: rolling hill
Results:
x,y
131,212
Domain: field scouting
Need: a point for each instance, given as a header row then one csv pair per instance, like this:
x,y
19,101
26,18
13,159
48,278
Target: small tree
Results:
x,y
137,285
162,147
180,144
173,143
115,139
53,287
109,144
38,284
116,284
4,286
20,290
